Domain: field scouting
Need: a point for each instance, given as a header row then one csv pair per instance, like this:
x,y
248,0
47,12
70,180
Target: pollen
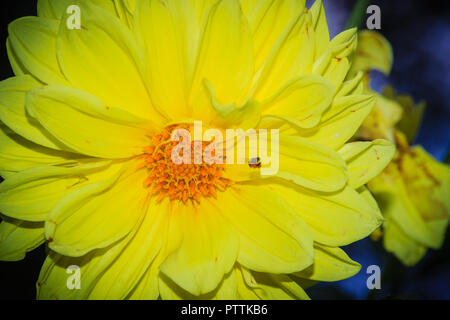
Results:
x,y
186,182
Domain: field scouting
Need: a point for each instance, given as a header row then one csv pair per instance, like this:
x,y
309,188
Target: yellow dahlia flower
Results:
x,y
85,145
413,191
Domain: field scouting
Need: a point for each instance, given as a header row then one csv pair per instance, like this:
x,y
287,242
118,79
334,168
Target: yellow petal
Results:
x,y
33,42
374,53
272,238
301,161
151,285
126,271
403,247
341,121
335,219
440,172
17,153
96,215
225,58
380,124
268,19
13,113
344,44
334,64
273,286
202,8
352,86
330,264
396,203
125,10
321,33
426,178
53,9
31,194
18,69
103,59
206,254
366,160
170,54
336,71
227,289
99,266
304,99
18,237
85,124
411,113
291,56
148,287
311,165
243,290
231,116
53,278
6,174
368,196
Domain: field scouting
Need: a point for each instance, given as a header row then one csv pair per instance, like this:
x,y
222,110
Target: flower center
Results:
x,y
185,181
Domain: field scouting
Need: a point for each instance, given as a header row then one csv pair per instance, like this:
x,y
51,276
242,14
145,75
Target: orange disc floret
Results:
x,y
185,181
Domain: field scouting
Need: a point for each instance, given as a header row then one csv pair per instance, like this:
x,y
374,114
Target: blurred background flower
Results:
x,y
419,34
412,192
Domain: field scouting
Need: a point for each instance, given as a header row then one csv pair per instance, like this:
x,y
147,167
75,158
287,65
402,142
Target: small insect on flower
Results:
x,y
255,163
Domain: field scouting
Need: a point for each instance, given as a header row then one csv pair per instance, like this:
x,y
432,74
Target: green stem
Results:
x,y
358,14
